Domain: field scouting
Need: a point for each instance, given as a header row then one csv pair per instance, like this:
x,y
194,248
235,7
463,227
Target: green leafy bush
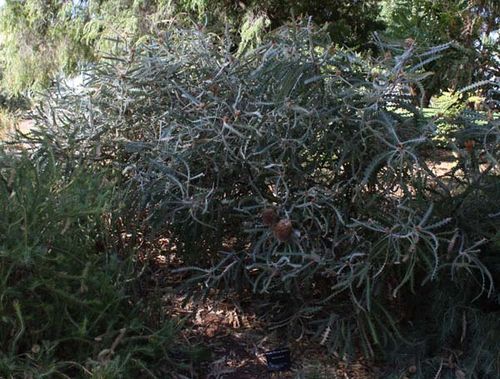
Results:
x,y
67,300
302,173
452,112
469,25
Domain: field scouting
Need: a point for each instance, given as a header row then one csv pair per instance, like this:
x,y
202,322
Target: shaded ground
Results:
x,y
237,341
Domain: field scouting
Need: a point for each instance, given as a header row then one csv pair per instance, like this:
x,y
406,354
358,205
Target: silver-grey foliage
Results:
x,y
333,141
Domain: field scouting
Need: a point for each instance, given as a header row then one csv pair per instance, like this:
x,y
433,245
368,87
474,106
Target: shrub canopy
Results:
x,y
360,229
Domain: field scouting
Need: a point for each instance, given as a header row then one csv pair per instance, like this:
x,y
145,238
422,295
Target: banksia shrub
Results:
x,y
303,173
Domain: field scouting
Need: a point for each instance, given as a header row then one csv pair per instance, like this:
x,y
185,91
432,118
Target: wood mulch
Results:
x,y
237,341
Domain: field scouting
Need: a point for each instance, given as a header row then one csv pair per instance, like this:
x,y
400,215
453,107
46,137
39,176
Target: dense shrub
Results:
x,y
67,300
303,173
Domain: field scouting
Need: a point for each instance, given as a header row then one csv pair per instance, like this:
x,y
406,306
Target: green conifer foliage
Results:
x,y
469,25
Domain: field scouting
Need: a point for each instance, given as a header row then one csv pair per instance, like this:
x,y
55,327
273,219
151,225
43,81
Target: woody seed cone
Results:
x,y
269,217
283,230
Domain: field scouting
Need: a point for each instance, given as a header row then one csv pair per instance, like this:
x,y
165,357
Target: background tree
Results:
x,y
39,38
43,38
471,25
